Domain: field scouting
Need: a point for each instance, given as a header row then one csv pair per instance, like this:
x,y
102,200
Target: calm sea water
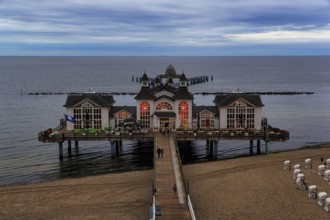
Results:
x,y
25,160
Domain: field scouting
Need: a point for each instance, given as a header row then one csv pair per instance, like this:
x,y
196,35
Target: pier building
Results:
x,y
167,104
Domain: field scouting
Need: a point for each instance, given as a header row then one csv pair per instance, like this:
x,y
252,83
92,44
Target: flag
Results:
x,y
69,118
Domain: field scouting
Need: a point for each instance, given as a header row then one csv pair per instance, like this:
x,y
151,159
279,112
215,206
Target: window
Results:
x,y
240,115
87,116
120,117
164,106
145,115
183,114
206,120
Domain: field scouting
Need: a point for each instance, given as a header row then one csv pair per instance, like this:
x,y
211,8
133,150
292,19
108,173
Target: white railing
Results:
x,y
192,214
153,216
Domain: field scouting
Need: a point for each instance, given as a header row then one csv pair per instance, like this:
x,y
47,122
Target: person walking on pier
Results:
x,y
158,152
174,189
161,152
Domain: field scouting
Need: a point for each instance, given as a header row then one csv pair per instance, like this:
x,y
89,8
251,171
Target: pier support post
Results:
x,y
120,143
258,146
267,147
215,149
112,148
76,144
208,143
69,148
117,147
251,147
60,148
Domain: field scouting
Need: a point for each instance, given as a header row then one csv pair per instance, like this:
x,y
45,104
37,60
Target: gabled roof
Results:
x,y
225,100
161,88
183,93
145,93
198,109
97,98
129,109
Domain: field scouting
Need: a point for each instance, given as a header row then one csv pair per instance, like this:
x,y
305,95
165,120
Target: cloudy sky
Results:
x,y
165,27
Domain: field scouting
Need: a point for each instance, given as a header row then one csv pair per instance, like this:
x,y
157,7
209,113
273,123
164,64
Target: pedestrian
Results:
x,y
161,152
174,189
158,152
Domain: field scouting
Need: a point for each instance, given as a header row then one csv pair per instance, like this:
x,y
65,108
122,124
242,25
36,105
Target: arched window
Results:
x,y
120,117
240,115
206,120
145,115
164,106
87,116
183,114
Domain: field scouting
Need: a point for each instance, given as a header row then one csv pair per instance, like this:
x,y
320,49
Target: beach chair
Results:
x,y
327,175
295,173
308,163
328,163
312,191
321,169
301,181
327,204
296,166
321,196
287,165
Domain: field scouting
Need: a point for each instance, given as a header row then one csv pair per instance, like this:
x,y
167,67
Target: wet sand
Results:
x,y
254,187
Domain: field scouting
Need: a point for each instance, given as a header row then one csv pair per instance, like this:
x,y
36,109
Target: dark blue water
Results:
x,y
25,160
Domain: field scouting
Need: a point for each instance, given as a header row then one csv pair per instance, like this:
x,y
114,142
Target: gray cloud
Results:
x,y
165,22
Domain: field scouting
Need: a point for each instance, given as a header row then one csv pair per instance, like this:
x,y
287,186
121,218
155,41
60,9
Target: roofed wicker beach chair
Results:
x,y
308,163
296,166
321,196
328,163
312,191
287,165
321,170
301,181
327,175
327,204
295,173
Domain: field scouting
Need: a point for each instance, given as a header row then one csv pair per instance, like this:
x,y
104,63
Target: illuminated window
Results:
x,y
164,106
145,115
183,114
120,117
206,120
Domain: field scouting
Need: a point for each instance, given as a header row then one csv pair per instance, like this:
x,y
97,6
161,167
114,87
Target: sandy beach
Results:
x,y
254,187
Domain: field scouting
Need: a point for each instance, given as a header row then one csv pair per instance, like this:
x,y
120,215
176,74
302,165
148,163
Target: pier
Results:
x,y
171,202
212,137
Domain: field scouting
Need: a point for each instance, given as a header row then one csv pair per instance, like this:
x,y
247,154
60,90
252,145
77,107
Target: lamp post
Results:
x,y
265,126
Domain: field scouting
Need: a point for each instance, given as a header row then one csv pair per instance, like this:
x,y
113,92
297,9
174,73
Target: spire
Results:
x,y
144,80
183,80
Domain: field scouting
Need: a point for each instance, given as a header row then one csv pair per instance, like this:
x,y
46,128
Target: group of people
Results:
x,y
160,152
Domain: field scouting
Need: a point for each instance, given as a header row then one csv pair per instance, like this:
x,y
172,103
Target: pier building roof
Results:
x,y
129,109
103,100
198,109
227,99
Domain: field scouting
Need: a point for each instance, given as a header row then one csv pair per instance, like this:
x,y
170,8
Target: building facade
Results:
x,y
166,103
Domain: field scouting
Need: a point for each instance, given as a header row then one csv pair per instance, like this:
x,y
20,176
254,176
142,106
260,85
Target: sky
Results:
x,y
164,27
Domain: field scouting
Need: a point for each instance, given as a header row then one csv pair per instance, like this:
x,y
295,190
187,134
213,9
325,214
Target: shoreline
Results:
x,y
320,145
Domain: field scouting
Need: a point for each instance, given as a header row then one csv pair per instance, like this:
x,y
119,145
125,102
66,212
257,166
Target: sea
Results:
x,y
25,160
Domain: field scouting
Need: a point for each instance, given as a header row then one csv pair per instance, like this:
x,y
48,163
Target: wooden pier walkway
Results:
x,y
167,173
